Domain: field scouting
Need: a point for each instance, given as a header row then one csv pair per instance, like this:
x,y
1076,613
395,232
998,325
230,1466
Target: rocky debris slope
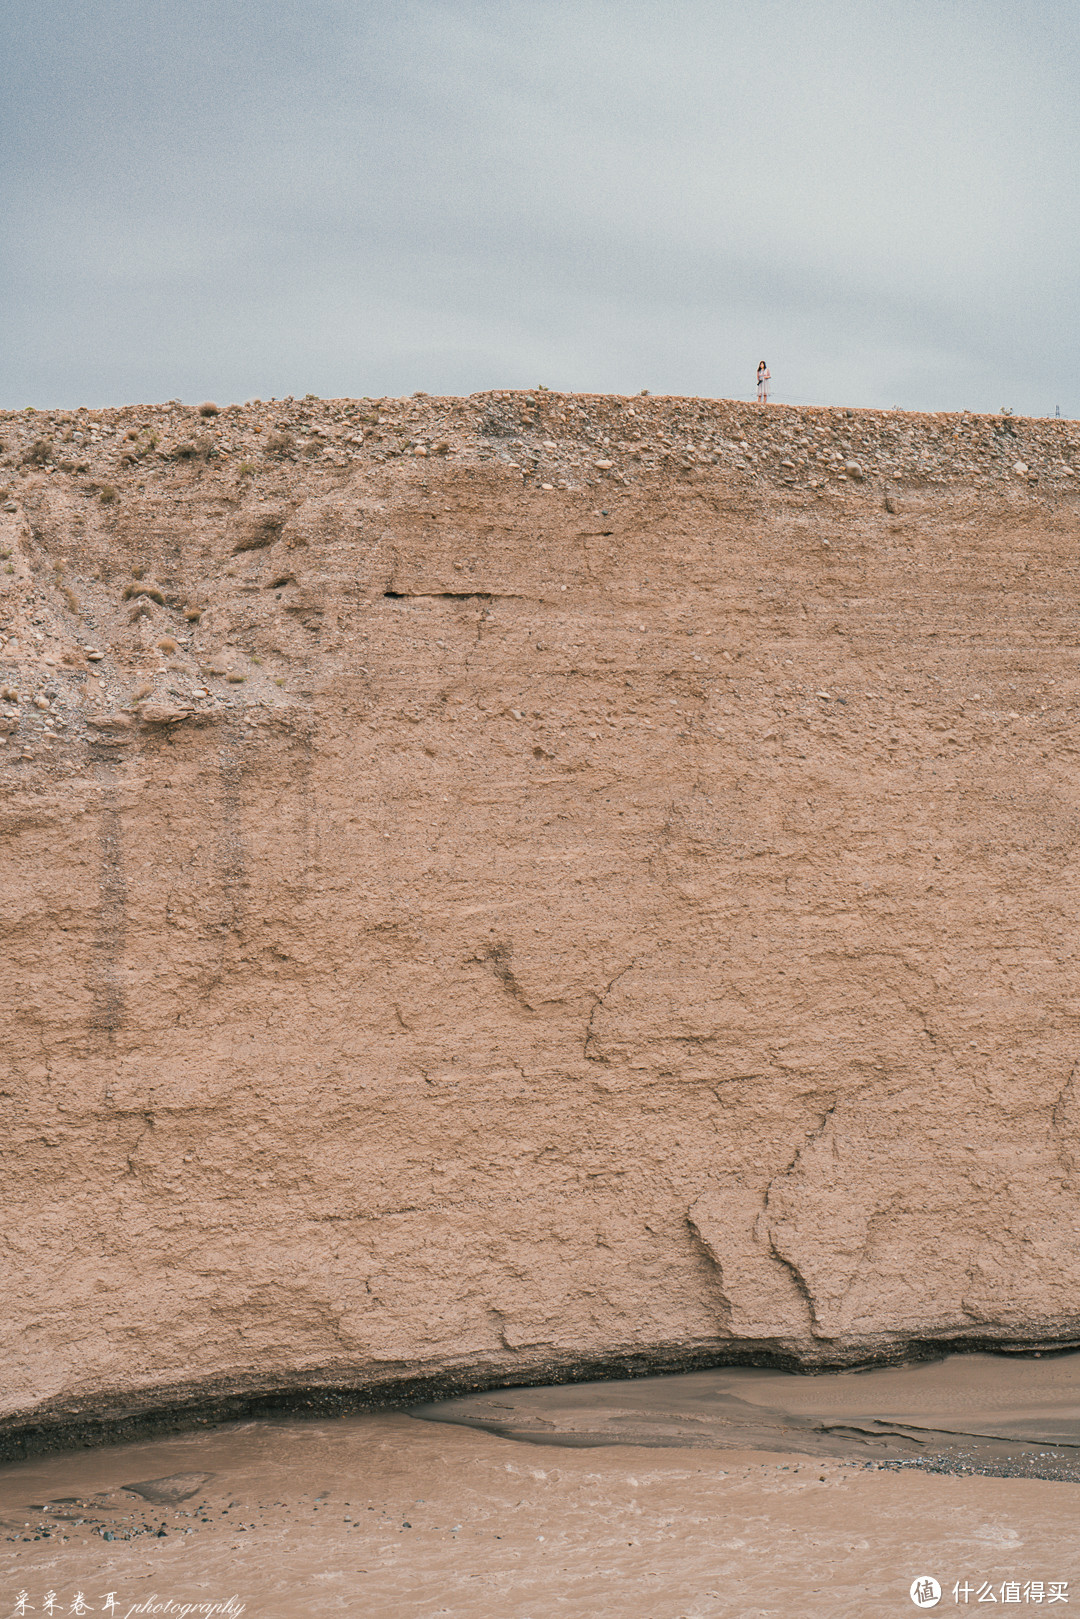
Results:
x,y
569,441
501,886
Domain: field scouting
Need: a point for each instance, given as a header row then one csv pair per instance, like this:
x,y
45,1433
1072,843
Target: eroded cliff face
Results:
x,y
602,891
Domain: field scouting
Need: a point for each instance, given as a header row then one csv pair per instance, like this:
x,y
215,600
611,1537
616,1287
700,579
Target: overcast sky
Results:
x,y
231,199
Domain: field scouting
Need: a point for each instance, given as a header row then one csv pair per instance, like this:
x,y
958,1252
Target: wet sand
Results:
x,y
398,1518
1009,1415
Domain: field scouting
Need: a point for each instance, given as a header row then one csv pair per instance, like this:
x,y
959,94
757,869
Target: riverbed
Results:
x,y
734,1492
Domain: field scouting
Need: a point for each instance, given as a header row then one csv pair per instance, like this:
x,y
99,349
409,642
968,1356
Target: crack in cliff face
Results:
x,y
716,1267
786,1259
449,595
597,1004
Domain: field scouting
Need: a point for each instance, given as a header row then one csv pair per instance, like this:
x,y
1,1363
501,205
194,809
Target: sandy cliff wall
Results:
x,y
502,885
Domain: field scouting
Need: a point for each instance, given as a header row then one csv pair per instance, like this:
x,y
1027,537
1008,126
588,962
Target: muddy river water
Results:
x,y
729,1492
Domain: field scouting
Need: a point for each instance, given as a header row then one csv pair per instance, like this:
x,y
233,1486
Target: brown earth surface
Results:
x,y
384,1517
507,887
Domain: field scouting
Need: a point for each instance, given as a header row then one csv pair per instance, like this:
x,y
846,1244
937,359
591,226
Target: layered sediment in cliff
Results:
x,y
500,886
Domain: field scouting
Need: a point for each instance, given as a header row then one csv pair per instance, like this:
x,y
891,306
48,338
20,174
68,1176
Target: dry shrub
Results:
x,y
194,449
208,409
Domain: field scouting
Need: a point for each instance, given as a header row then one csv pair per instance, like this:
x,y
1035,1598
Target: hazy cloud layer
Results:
x,y
207,198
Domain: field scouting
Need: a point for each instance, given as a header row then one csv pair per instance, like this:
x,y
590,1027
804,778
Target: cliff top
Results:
x,y
553,439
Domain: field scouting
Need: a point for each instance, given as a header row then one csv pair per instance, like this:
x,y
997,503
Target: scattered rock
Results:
x,y
110,722
163,714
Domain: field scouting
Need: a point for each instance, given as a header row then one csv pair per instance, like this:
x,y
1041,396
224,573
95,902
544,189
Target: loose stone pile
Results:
x,y
563,440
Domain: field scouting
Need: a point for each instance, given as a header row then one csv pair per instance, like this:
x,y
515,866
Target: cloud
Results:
x,y
214,199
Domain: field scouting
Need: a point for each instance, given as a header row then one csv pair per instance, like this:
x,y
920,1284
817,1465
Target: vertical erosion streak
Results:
x,y
230,841
306,826
106,991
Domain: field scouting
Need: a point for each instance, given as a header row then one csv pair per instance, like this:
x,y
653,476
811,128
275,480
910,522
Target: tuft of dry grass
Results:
x,y
207,408
108,495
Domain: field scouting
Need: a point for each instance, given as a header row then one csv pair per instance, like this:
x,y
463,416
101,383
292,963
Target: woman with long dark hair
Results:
x,y
763,375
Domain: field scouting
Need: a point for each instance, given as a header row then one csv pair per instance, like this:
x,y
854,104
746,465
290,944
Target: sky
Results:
x,y
220,199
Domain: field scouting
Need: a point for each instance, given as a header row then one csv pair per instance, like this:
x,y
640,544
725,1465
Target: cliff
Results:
x,y
504,887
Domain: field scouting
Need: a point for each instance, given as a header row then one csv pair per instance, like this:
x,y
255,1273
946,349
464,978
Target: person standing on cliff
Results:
x,y
763,375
